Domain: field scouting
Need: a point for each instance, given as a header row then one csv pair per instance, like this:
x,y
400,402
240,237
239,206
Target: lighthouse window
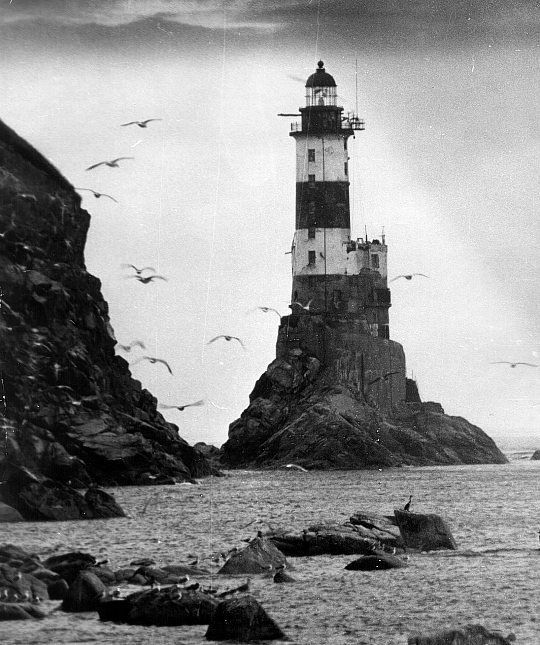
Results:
x,y
345,167
311,233
375,261
311,179
311,154
311,257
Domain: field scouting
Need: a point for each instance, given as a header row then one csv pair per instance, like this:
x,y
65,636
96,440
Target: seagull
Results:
x,y
226,338
513,364
112,164
164,406
130,346
96,194
267,309
141,124
152,360
296,467
148,278
137,271
306,307
385,377
408,276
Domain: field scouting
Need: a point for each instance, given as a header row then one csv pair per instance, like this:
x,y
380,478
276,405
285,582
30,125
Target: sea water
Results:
x,y
492,579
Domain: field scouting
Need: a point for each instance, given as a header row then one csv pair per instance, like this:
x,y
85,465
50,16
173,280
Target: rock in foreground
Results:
x,y
242,619
470,635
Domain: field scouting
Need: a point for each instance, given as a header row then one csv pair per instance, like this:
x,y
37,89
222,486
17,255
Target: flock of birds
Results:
x,y
147,275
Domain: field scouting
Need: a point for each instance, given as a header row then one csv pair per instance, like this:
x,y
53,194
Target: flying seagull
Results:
x,y
306,307
513,364
408,276
137,271
96,194
141,124
147,279
112,164
164,406
130,346
296,467
151,359
384,377
267,309
226,338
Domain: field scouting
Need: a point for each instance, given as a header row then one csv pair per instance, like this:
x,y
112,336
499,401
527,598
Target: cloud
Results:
x,y
211,14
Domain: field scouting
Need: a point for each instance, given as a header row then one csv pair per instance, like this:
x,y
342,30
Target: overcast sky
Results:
x,y
447,164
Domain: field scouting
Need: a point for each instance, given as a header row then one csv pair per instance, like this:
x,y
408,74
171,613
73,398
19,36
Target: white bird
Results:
x,y
226,338
306,307
137,271
96,194
152,359
513,364
141,124
296,467
112,164
408,276
164,406
131,345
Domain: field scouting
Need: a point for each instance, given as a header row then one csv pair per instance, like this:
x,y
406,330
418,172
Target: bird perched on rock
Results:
x,y
131,345
164,406
111,164
408,504
513,364
152,359
384,377
96,194
228,338
141,124
137,271
408,276
281,576
147,279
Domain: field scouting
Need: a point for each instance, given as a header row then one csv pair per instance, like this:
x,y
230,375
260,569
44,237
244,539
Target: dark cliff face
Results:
x,y
70,408
313,415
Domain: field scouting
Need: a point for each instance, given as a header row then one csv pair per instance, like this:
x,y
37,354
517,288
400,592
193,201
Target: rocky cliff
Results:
x,y
313,413
70,409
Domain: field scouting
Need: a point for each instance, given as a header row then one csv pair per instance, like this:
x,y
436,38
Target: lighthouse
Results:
x,y
340,298
332,271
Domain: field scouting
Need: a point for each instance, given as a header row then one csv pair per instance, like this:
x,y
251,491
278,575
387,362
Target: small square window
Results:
x,y
311,233
311,154
375,260
311,257
346,167
311,179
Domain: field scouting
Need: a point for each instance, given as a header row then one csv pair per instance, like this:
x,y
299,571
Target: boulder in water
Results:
x,y
19,611
69,565
58,589
331,540
259,556
21,586
242,619
536,455
102,504
469,635
166,606
375,563
84,593
425,532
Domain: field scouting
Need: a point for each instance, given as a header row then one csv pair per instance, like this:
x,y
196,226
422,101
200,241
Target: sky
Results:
x,y
447,165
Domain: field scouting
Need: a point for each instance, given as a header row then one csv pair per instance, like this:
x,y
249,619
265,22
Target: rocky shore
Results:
x,y
72,414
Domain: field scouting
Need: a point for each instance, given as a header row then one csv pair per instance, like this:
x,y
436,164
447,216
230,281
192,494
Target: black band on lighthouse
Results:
x,y
322,204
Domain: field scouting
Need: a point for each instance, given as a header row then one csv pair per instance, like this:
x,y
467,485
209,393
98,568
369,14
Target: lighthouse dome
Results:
x,y
321,78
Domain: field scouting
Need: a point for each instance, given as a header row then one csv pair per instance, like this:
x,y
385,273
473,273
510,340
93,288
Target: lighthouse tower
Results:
x,y
340,297
337,274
